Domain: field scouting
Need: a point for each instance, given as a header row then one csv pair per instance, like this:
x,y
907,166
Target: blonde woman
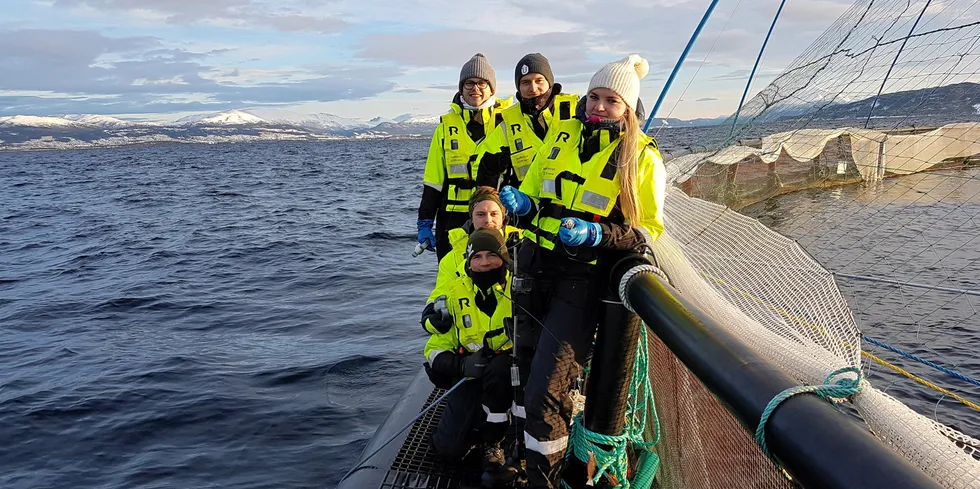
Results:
x,y
594,191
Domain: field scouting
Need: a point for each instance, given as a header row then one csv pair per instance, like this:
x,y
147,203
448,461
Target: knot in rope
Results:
x,y
833,388
612,462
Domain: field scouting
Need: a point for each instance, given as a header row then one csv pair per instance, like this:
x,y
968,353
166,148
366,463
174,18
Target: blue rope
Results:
x,y
755,66
922,361
677,67
840,388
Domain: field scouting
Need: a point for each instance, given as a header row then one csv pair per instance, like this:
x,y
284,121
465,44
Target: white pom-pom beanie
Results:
x,y
622,77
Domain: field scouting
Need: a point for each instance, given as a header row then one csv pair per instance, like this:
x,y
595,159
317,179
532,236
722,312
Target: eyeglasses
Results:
x,y
469,84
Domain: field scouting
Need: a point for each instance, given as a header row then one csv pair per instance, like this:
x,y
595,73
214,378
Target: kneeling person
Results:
x,y
468,340
485,211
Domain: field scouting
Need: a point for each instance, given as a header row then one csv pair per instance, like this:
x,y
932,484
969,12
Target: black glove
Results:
x,y
439,320
496,163
473,365
439,378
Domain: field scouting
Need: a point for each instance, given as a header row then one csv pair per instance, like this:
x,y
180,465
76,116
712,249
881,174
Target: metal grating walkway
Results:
x,y
417,466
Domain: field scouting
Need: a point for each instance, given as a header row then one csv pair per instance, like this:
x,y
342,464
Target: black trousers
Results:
x,y
482,404
571,311
444,222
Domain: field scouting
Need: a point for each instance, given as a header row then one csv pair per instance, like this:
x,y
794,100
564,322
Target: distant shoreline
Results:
x,y
35,145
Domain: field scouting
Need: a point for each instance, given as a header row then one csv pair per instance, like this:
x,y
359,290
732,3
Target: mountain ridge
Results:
x,y
960,101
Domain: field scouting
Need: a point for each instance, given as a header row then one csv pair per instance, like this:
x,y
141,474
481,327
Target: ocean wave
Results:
x,y
253,339
387,236
310,374
127,303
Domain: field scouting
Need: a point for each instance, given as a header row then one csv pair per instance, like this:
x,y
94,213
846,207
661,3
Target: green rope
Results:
x,y
839,389
613,462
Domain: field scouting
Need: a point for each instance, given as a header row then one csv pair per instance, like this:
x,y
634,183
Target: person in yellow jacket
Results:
x,y
594,192
486,211
451,166
510,148
469,340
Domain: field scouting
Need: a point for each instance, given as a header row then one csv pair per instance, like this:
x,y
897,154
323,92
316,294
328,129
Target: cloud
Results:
x,y
735,75
304,23
810,11
377,46
227,13
447,86
706,99
451,48
142,75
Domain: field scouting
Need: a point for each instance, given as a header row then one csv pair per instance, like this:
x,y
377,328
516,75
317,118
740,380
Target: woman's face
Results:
x,y
487,214
475,91
605,104
484,261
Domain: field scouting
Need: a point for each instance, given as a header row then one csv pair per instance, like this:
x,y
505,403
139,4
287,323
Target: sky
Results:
x,y
165,59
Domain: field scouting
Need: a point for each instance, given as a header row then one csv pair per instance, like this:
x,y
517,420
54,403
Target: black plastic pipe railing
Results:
x,y
820,446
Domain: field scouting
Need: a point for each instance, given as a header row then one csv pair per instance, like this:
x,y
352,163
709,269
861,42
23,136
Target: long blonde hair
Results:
x,y
629,199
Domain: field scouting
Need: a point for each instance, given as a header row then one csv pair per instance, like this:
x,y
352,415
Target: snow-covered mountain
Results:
x,y
37,121
321,121
260,124
226,118
105,121
418,119
381,120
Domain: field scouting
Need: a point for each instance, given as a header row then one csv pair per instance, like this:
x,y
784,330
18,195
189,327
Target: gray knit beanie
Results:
x,y
533,63
622,77
478,67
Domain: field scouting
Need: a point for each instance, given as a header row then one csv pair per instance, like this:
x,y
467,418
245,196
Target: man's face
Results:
x,y
487,214
533,85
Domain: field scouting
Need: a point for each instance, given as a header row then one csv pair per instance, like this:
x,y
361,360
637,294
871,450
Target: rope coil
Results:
x,y
613,462
831,389
632,272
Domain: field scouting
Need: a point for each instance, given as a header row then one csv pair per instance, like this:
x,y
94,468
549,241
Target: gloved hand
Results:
x,y
577,232
515,201
437,316
496,163
473,365
426,234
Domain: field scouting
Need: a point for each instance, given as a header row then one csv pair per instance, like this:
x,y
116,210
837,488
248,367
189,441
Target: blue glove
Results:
x,y
515,201
576,232
425,233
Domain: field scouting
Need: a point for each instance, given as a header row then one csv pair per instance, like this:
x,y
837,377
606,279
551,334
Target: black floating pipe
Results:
x,y
818,445
609,378
607,390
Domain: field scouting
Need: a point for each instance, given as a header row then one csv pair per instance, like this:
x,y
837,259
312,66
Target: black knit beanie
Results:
x,y
533,63
486,239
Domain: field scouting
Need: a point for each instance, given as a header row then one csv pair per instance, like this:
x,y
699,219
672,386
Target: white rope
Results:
x,y
632,272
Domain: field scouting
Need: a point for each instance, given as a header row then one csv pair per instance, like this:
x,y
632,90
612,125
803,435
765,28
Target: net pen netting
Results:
x,y
844,204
